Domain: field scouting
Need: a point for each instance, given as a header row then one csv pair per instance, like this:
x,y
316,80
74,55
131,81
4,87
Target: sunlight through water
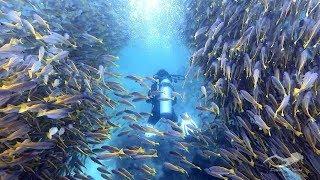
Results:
x,y
155,22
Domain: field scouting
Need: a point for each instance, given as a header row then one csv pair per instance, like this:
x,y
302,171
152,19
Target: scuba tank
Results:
x,y
164,101
165,98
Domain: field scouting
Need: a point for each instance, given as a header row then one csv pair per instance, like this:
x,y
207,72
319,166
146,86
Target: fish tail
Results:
x,y
49,136
30,73
267,131
298,133
48,27
296,91
251,163
74,46
121,151
306,43
49,60
275,114
186,173
155,155
40,113
38,74
268,159
6,68
312,119
38,35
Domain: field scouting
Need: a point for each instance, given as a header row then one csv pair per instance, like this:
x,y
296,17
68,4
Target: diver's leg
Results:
x,y
153,119
174,117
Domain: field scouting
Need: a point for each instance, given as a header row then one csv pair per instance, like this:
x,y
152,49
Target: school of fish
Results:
x,y
54,104
62,98
260,60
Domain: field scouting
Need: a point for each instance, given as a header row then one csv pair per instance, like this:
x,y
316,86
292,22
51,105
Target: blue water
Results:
x,y
154,44
155,40
145,60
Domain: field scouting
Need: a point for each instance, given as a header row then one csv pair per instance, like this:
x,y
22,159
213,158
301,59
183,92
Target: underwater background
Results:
x,y
77,78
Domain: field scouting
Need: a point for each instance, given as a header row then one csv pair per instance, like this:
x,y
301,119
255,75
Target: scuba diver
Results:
x,y
163,102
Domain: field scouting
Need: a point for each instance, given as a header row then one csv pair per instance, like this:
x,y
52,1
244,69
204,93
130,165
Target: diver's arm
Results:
x,y
174,100
152,89
150,100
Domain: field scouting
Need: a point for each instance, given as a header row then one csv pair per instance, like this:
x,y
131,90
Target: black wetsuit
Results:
x,y
156,107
